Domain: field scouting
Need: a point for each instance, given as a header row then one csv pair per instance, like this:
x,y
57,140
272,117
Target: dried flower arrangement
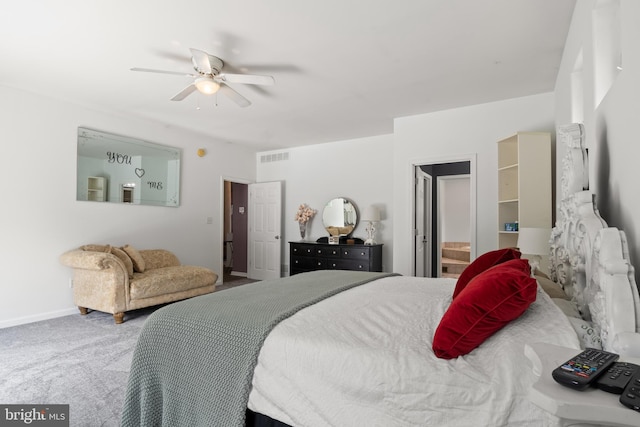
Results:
x,y
304,213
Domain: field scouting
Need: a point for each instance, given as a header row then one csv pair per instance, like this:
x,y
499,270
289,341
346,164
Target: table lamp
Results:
x,y
535,242
371,214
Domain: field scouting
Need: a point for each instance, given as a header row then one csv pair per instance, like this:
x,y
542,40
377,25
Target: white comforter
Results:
x,y
363,357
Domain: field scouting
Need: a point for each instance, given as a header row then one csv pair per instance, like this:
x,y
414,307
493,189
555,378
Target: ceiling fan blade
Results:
x,y
185,92
234,96
250,79
200,60
150,70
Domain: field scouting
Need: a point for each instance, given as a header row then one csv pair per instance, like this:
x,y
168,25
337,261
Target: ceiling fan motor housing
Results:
x,y
215,63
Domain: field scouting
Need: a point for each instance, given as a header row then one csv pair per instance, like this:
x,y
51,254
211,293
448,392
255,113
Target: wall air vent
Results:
x,y
274,157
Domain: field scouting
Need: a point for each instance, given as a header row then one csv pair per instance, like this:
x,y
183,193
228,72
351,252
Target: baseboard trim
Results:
x,y
37,317
238,273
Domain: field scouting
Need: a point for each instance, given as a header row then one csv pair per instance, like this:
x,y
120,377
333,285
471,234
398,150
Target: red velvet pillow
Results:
x,y
490,301
482,263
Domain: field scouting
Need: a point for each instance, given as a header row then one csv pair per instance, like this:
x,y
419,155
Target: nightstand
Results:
x,y
589,407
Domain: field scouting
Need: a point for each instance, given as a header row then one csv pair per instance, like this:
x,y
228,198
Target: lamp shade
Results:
x,y
534,241
371,213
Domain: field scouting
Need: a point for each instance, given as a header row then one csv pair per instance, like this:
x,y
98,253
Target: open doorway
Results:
x,y
444,217
454,219
234,253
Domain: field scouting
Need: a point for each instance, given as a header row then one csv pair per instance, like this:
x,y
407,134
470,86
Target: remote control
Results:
x,y
617,377
630,397
583,369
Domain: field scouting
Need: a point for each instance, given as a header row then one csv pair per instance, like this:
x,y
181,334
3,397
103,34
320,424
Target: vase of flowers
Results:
x,y
303,216
303,229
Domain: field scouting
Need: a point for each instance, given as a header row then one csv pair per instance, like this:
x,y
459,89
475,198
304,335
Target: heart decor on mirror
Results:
x,y
140,172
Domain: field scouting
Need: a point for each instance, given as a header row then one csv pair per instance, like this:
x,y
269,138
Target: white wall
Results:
x,y
378,170
610,126
451,134
358,169
41,218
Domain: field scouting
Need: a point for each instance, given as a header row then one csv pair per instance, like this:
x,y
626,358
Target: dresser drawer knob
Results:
x,y
308,251
363,253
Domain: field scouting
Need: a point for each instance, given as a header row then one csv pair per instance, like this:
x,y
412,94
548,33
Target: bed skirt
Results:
x,y
255,419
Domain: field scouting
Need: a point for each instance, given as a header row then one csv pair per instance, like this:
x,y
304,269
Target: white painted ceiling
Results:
x,y
343,68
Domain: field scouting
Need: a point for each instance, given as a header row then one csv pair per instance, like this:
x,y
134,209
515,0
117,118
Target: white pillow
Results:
x,y
569,308
588,335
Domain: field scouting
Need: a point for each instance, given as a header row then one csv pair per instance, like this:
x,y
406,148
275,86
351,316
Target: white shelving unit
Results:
x,y
524,184
96,188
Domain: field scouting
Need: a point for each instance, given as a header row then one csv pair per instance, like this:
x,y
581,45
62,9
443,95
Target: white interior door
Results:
x,y
264,234
423,225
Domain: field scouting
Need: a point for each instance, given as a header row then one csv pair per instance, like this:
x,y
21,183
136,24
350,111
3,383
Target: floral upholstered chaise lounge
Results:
x,y
116,280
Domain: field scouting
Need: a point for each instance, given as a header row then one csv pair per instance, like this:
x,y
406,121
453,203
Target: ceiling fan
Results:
x,y
210,79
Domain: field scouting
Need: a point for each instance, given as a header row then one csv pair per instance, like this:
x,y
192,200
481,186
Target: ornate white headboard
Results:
x,y
591,260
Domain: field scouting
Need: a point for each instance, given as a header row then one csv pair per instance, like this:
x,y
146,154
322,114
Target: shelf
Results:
x,y
508,151
524,184
96,187
508,167
508,184
508,240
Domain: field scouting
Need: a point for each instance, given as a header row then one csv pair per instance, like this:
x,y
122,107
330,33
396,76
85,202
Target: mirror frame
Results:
x,y
345,200
118,169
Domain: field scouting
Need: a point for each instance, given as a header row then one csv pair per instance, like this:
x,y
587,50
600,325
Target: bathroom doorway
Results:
x,y
234,253
444,217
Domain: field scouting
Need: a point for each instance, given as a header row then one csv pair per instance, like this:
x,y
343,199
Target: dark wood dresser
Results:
x,y
309,256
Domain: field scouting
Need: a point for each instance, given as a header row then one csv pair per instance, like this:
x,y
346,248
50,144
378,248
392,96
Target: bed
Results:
x,y
332,348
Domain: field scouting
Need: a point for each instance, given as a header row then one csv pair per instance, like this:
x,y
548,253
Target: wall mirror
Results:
x,y
340,217
119,169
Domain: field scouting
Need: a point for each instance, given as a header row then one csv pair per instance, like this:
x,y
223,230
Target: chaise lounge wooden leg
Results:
x,y
119,318
83,310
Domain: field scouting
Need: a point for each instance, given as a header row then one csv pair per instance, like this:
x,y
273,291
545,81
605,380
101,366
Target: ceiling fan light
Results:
x,y
207,85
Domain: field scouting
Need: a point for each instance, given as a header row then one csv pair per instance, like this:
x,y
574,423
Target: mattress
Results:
x,y
363,357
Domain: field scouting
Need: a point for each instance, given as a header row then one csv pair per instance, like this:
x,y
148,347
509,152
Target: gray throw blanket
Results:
x,y
194,360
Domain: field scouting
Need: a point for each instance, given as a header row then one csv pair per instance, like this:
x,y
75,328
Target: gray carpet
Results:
x,y
78,360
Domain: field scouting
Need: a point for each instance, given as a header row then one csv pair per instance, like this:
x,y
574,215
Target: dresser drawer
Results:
x,y
301,250
328,252
308,263
348,264
355,253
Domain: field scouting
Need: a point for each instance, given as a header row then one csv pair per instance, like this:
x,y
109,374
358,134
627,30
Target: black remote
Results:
x,y
617,377
630,397
584,369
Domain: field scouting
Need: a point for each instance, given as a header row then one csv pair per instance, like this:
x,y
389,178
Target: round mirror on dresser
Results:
x,y
340,217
